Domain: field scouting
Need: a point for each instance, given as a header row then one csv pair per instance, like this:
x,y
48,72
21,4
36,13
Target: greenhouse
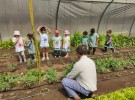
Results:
x,y
67,49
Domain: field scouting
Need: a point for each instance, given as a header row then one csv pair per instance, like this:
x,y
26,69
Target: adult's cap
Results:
x,y
66,32
16,32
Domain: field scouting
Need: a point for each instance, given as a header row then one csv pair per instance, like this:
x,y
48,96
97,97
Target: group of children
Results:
x,y
60,44
91,41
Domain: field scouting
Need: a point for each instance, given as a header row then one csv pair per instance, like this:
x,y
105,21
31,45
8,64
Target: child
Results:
x,y
57,44
108,43
19,46
31,47
66,43
93,40
85,39
44,41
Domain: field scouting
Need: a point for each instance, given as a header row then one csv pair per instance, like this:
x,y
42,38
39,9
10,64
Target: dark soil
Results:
x,y
107,82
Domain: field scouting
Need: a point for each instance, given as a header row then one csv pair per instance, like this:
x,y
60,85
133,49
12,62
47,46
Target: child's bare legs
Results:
x,y
43,56
67,55
23,55
20,57
47,57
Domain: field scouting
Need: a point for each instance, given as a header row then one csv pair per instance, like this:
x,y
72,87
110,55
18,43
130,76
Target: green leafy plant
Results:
x,y
7,81
51,43
76,39
31,77
123,94
12,66
51,75
68,69
6,44
31,64
110,64
6,56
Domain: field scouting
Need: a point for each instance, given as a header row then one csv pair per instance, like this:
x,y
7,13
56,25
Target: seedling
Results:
x,y
51,75
12,66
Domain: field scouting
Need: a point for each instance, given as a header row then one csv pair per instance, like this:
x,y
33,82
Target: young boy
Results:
x,y
19,46
93,40
108,43
85,39
57,43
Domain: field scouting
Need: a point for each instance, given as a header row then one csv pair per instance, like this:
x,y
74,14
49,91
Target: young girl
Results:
x,y
44,41
66,43
57,43
85,39
19,46
108,43
31,47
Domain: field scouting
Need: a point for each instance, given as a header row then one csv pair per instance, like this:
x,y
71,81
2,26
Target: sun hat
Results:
x,y
66,32
16,32
56,31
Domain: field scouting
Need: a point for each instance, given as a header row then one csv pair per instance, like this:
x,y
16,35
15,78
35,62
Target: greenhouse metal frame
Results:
x,y
74,15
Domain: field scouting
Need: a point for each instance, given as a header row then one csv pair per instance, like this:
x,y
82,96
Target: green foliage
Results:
x,y
4,86
32,76
124,94
119,40
51,75
76,39
131,60
110,64
6,44
51,43
12,66
31,63
7,80
6,56
68,69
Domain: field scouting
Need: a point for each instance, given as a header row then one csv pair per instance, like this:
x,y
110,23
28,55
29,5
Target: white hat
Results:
x,y
66,32
16,32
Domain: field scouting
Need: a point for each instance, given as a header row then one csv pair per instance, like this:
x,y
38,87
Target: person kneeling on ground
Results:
x,y
83,77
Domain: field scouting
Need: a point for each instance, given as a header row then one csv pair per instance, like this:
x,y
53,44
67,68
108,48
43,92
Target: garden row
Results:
x,y
27,79
119,40
124,94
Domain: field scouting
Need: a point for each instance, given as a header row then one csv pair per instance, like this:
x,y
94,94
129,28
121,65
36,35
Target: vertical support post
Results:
x,y
131,27
57,13
38,61
103,15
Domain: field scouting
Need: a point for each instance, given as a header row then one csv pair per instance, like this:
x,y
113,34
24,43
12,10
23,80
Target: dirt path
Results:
x,y
106,83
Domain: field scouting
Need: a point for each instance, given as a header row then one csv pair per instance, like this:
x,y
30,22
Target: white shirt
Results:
x,y
44,40
66,41
19,45
57,41
84,71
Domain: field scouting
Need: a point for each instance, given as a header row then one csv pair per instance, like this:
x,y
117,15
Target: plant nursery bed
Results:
x,y
107,82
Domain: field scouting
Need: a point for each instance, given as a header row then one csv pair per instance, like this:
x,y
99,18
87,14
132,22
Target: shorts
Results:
x,y
45,49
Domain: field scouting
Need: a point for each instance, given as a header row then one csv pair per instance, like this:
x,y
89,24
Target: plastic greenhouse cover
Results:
x,y
74,15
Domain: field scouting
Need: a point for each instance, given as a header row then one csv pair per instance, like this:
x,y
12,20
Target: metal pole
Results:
x,y
57,13
103,15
